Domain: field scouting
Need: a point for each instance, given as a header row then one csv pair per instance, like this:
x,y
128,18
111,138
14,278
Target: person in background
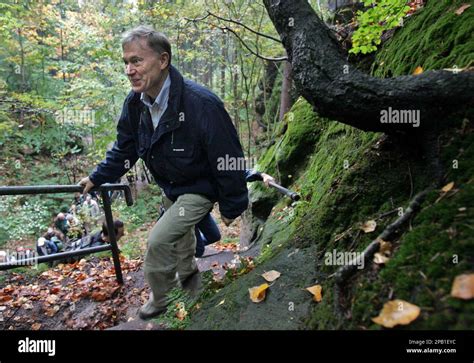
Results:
x,y
45,247
92,206
97,239
207,231
60,223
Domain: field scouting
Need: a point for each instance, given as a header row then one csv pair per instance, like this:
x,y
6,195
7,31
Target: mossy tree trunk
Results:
x,y
337,90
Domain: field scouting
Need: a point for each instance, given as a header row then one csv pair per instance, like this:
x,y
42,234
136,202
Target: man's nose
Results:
x,y
129,69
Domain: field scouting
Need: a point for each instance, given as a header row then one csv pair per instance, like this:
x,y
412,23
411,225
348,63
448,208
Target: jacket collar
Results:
x,y
176,90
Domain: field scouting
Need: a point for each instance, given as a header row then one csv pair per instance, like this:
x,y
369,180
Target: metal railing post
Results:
x,y
112,237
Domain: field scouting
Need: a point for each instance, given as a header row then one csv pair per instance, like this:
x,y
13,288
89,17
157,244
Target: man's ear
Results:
x,y
165,60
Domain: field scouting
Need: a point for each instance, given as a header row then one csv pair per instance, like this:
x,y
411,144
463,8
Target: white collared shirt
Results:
x,y
158,108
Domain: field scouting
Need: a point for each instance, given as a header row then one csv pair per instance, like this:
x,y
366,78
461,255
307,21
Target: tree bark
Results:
x,y
223,64
285,98
337,90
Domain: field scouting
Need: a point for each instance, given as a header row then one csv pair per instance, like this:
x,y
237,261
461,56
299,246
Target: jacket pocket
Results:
x,y
180,162
177,151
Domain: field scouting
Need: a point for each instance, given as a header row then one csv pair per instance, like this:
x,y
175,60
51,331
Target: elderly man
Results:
x,y
181,130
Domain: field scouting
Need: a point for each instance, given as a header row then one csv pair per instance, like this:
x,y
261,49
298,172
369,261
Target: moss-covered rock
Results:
x,y
433,38
346,177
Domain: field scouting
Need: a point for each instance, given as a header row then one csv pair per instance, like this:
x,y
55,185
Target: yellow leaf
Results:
x,y
222,302
418,70
369,226
271,276
379,258
463,287
257,293
316,291
384,246
462,8
36,326
181,313
447,187
397,312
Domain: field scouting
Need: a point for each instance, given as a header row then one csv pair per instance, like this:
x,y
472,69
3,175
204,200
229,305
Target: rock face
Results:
x,y
347,177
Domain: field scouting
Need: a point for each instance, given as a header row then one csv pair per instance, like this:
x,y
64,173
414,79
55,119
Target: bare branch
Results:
x,y
245,26
226,28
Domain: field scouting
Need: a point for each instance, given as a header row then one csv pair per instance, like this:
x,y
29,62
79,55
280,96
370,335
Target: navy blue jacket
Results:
x,y
183,152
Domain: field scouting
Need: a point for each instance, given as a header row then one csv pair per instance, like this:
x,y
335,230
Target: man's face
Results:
x,y
144,67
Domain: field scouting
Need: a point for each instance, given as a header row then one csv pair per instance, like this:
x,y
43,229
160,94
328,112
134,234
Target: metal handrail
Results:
x,y
49,189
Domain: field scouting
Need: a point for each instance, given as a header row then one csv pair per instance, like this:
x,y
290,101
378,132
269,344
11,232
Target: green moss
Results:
x,y
300,129
426,261
433,38
346,177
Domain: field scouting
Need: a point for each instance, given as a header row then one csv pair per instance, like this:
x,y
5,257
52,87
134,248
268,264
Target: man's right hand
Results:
x,y
87,184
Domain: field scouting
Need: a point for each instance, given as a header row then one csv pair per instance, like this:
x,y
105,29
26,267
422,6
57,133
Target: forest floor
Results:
x,y
86,296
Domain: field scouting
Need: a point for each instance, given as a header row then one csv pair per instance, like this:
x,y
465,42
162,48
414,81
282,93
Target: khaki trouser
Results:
x,y
172,244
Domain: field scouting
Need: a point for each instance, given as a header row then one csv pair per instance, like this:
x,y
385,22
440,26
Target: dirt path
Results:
x,y
85,295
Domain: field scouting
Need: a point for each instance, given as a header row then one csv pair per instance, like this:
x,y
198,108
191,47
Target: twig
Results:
x,y
11,316
226,28
245,26
346,271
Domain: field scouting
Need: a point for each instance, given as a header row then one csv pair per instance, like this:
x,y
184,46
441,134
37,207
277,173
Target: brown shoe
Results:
x,y
149,310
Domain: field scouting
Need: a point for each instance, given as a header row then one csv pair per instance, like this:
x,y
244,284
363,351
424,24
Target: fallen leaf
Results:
x,y
52,299
258,293
99,296
463,287
222,302
369,226
384,246
397,312
316,291
380,258
462,8
181,313
5,298
36,326
271,276
447,187
52,311
418,70
27,306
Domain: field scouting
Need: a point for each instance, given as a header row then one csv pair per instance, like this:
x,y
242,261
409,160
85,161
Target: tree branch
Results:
x,y
339,91
245,26
226,28
349,269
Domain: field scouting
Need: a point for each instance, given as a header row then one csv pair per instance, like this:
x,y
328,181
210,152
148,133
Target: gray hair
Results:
x,y
155,40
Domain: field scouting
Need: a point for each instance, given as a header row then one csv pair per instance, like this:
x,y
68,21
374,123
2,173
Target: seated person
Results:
x,y
60,223
45,247
97,239
54,233
75,227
